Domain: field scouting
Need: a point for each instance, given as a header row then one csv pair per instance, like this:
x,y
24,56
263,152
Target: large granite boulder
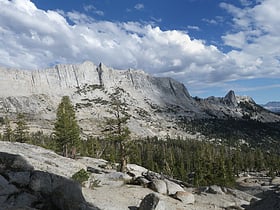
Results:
x,y
172,187
151,202
159,186
23,188
185,197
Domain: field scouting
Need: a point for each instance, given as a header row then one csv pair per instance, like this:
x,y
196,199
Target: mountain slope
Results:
x,y
155,104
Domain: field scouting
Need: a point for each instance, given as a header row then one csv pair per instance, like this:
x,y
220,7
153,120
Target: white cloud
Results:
x,y
256,33
32,38
196,28
139,6
236,40
91,8
215,21
245,2
158,20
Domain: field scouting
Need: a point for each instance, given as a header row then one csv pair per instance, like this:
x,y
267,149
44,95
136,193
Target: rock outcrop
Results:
x,y
22,187
150,202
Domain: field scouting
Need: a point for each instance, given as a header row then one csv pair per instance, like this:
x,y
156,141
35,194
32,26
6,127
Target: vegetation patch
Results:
x,y
81,176
88,88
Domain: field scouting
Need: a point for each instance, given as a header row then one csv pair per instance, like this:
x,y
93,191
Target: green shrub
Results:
x,y
80,176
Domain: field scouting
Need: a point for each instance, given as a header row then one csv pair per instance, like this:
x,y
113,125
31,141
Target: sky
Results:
x,y
211,46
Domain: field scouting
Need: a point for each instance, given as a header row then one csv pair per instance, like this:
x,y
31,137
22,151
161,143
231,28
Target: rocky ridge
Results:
x,y
35,178
155,104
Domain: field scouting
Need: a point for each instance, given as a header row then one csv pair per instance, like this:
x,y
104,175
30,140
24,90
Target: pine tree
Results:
x,y
8,132
21,131
116,129
66,128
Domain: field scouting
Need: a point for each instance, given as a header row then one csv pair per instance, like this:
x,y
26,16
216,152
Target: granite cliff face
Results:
x,y
155,104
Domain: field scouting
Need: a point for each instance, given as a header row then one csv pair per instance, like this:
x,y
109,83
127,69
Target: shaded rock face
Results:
x,y
11,162
150,202
22,187
230,99
271,202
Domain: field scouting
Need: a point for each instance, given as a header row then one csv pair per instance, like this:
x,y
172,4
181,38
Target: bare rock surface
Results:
x,y
41,159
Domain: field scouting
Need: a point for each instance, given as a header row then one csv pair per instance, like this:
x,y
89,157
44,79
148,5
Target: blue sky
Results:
x,y
212,46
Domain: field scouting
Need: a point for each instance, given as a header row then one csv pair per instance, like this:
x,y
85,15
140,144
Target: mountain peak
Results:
x,y
230,98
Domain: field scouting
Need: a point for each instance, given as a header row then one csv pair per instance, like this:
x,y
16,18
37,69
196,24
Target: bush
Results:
x,y
80,176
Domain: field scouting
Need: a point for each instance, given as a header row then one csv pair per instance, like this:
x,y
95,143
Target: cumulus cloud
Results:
x,y
256,33
32,38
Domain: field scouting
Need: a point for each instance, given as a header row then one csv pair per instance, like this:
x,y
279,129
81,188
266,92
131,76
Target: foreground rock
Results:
x,y
151,202
42,159
23,187
270,202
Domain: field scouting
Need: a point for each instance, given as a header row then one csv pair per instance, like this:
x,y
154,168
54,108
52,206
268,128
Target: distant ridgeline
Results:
x,y
273,106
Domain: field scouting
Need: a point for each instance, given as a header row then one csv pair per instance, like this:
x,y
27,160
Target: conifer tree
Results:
x,y
116,129
66,128
8,132
21,131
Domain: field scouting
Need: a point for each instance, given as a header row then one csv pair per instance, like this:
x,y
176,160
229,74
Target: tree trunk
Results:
x,y
123,158
65,150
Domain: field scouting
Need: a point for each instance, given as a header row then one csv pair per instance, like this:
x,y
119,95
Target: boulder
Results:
x,y
11,162
159,186
151,202
22,199
275,181
68,196
214,189
41,182
113,178
141,181
20,179
136,170
23,188
172,187
185,197
6,188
